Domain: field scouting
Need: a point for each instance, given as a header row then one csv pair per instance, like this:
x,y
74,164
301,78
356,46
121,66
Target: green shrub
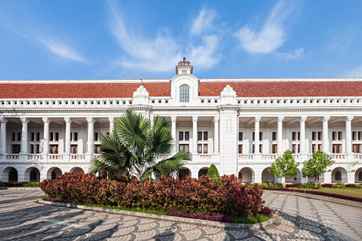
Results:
x,y
311,185
339,185
272,186
31,184
213,173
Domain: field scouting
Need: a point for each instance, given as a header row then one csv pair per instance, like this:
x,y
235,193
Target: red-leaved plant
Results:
x,y
189,195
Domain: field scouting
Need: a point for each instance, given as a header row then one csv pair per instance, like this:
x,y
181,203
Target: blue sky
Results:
x,y
66,39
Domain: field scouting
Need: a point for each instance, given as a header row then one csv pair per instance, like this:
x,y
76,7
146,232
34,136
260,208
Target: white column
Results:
x,y
302,136
280,135
68,123
325,134
173,134
349,137
194,134
258,175
24,136
3,136
45,137
351,176
256,134
151,118
327,176
111,124
216,134
90,142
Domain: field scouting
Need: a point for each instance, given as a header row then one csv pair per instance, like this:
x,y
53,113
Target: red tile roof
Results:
x,y
206,88
79,90
284,88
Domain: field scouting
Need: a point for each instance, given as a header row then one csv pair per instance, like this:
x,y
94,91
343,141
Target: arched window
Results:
x,y
184,93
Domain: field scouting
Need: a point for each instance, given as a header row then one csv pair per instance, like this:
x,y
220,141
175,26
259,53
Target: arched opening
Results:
x,y
184,93
203,172
246,175
54,173
296,179
358,175
183,173
11,175
267,176
339,175
77,170
32,174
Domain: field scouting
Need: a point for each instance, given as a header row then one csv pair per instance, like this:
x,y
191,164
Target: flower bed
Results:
x,y
225,200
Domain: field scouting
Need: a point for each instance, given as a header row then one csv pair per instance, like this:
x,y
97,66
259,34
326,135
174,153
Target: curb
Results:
x,y
272,220
321,198
20,188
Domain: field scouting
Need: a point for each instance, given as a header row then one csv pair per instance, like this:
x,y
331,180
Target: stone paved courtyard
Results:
x,y
302,219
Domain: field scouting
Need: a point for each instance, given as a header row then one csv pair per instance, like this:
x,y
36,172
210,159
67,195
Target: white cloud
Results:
x,y
62,50
271,36
206,55
160,53
55,47
203,21
292,55
354,73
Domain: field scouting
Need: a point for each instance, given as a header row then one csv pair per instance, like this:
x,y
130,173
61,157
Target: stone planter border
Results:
x,y
273,220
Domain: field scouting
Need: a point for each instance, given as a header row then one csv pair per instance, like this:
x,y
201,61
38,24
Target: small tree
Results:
x,y
317,165
284,166
213,173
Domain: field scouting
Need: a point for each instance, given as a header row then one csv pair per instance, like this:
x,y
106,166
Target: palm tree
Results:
x,y
135,147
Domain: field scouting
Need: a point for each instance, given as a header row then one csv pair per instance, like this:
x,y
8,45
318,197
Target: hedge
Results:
x,y
227,197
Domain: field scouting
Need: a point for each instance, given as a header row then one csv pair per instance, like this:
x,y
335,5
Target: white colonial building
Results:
x,y
240,125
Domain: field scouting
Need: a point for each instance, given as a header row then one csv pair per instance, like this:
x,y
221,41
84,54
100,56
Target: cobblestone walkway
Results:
x,y
302,219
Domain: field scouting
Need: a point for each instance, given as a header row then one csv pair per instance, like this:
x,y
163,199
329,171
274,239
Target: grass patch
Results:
x,y
355,192
347,191
259,218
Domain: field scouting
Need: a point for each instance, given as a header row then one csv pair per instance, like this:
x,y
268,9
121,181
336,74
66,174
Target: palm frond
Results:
x,y
167,166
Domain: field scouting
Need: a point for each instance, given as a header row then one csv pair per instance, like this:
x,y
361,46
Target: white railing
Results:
x,y
77,156
35,156
337,156
12,156
357,156
205,157
261,157
55,157
193,157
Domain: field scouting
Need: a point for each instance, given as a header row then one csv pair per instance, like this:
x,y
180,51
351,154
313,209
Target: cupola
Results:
x,y
184,67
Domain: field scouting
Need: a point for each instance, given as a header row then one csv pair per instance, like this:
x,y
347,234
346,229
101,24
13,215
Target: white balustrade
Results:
x,y
338,156
12,156
35,156
77,156
55,156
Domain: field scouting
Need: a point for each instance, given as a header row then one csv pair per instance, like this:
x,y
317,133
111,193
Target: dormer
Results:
x,y
185,86
141,96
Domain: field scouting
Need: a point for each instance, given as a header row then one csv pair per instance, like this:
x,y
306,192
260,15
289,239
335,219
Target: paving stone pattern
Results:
x,y
301,219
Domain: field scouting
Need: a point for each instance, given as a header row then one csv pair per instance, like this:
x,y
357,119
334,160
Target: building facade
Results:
x,y
241,125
